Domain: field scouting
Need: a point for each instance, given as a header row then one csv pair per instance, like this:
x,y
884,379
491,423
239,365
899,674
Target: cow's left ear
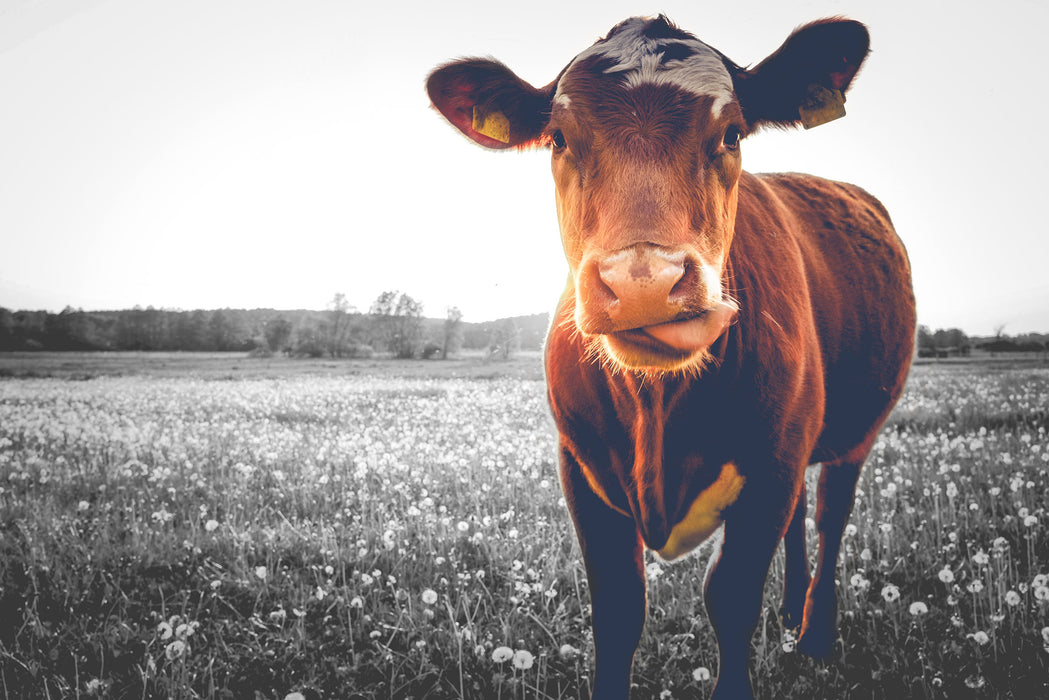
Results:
x,y
805,80
486,101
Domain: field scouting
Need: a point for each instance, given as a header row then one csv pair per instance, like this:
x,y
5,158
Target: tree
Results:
x,y
277,332
453,332
397,323
505,339
339,310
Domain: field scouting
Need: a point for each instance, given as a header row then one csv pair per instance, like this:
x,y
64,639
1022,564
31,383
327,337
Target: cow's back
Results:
x,y
858,281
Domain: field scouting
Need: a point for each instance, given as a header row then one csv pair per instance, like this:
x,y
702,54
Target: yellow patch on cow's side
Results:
x,y
492,124
704,515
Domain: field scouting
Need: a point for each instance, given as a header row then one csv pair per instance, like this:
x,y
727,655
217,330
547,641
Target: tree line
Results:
x,y
948,342
394,324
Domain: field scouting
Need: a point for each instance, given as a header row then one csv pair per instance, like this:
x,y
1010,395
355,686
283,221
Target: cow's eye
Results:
x,y
558,139
732,138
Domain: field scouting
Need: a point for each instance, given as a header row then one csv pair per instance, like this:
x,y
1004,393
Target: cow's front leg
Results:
x,y
735,582
614,559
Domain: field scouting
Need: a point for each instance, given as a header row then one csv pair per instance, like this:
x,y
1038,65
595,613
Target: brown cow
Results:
x,y
720,332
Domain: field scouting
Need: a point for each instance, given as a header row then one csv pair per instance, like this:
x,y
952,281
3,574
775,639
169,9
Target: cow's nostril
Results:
x,y
686,286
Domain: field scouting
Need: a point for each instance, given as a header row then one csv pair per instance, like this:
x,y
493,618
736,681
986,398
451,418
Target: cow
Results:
x,y
720,332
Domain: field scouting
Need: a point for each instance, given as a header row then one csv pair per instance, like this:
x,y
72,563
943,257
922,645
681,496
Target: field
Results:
x,y
219,527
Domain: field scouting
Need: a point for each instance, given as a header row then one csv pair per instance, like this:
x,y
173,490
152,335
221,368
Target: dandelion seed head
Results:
x,y
523,659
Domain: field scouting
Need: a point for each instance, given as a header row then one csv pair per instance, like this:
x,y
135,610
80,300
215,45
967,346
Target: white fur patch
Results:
x,y
639,59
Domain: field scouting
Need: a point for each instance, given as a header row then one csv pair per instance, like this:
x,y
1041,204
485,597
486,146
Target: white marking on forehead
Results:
x,y
639,59
563,100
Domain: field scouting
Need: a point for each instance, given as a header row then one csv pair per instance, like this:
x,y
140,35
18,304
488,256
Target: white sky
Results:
x,y
252,153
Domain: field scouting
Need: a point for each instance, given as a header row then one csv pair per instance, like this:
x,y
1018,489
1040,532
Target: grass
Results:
x,y
354,530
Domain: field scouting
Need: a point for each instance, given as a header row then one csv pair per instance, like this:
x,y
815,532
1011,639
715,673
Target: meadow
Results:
x,y
234,528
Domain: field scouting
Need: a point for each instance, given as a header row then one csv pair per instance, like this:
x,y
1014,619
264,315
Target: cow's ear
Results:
x,y
805,80
486,101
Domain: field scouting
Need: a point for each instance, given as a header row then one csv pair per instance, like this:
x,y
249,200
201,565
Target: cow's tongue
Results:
x,y
697,333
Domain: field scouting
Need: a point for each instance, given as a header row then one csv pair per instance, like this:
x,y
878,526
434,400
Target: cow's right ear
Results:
x,y
486,101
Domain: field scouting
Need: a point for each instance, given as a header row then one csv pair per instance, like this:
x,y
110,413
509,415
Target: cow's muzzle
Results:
x,y
653,301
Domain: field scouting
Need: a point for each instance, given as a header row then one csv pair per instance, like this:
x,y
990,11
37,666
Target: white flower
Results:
x,y
568,652
980,637
502,654
429,596
702,673
261,572
522,660
890,593
294,696
918,608
165,630
1012,598
211,525
176,650
946,575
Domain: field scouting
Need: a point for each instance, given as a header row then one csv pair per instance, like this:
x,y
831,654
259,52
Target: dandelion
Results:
x,y
654,571
1030,521
429,596
946,575
1012,599
211,525
981,558
261,572
859,582
890,593
568,652
83,506
462,526
918,608
980,637
975,586
294,696
1045,635
522,660
1041,593
176,650
701,674
165,630
975,682
501,655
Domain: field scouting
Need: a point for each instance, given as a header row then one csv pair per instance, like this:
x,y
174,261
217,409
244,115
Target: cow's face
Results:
x,y
644,128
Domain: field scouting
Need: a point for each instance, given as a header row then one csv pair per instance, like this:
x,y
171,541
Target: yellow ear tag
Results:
x,y
821,106
494,125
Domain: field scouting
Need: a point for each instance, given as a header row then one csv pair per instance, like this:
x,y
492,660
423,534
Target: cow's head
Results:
x,y
645,129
